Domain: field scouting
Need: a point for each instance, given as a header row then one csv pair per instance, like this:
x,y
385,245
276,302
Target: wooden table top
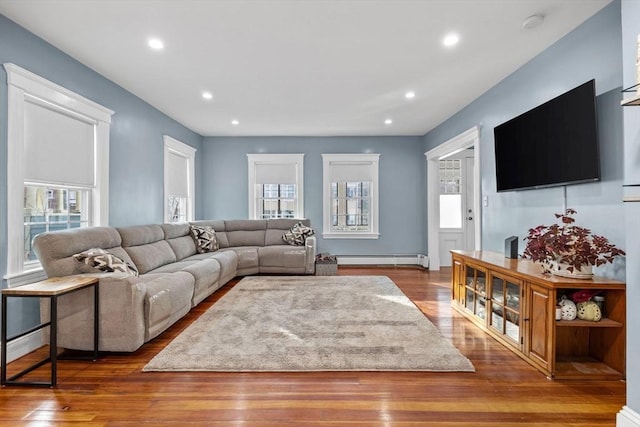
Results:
x,y
52,287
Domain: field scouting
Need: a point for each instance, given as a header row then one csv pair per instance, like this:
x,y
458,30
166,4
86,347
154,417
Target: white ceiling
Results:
x,y
302,67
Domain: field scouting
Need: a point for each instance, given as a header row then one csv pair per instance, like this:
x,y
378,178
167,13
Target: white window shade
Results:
x,y
177,175
274,173
58,147
351,172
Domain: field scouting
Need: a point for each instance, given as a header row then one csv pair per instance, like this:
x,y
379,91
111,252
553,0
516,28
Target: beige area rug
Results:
x,y
327,323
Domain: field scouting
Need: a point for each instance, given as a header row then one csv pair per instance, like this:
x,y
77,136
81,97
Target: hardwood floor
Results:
x,y
504,390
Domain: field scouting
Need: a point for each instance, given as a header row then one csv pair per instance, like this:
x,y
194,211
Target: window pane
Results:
x,y
450,211
48,208
450,176
177,208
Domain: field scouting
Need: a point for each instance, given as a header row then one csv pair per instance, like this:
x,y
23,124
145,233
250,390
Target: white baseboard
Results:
x,y
420,260
627,417
24,345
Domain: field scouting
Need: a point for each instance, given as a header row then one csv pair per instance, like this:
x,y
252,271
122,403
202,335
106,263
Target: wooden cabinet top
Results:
x,y
529,271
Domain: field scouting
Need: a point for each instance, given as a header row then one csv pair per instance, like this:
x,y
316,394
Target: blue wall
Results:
x,y
402,186
591,51
136,151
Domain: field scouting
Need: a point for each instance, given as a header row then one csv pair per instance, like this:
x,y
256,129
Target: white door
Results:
x,y
456,205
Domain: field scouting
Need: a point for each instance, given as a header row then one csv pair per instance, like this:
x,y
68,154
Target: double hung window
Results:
x,y
57,165
179,177
276,186
350,196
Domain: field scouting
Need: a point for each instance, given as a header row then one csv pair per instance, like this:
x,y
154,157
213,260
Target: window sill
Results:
x,y
350,235
24,278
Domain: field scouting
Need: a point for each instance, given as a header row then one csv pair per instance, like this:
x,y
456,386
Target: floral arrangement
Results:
x,y
569,244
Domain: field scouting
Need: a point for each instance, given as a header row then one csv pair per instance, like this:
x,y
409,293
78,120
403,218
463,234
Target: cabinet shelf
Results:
x,y
578,368
577,323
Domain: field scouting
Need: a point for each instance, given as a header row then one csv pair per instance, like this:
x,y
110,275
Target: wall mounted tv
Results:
x,y
554,144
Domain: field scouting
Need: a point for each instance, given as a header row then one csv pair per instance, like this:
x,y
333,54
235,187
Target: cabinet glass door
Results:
x,y
505,307
475,291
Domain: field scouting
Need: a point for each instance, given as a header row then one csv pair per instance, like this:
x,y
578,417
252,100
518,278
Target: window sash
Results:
x,y
50,208
350,206
276,200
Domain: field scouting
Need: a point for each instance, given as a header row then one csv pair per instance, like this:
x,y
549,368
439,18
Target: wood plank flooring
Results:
x,y
504,390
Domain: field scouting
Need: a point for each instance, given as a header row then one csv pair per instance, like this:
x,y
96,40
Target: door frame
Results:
x,y
467,139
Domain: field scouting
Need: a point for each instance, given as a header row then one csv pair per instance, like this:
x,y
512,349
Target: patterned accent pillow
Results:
x,y
205,238
297,235
105,261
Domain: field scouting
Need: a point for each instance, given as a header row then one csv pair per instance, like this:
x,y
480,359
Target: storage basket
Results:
x,y
326,265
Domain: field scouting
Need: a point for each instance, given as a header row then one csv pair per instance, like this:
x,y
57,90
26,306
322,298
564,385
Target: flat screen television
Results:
x,y
555,143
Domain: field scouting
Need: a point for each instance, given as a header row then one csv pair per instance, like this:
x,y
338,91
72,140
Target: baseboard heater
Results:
x,y
392,260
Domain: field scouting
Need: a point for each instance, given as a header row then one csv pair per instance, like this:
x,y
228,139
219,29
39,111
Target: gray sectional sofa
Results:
x,y
173,275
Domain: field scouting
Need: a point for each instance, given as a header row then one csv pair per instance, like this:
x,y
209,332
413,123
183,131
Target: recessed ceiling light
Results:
x,y
410,95
235,122
451,39
155,44
388,121
207,95
532,22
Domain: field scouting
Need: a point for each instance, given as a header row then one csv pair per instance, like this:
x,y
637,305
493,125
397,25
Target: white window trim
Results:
x,y
172,145
23,84
327,161
279,159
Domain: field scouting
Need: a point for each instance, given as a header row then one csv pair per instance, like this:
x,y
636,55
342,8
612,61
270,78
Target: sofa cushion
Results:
x,y
178,235
167,299
247,259
146,246
204,237
277,227
284,256
219,227
298,234
151,256
102,260
245,232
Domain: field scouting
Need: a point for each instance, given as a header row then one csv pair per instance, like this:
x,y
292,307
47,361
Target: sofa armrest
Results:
x,y
121,314
310,248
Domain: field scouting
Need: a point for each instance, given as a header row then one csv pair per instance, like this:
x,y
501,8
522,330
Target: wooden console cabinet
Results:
x,y
514,302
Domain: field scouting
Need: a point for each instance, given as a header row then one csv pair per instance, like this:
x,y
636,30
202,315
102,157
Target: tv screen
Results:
x,y
553,144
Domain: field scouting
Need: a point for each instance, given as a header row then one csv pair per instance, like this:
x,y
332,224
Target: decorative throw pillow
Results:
x,y
297,235
205,238
105,261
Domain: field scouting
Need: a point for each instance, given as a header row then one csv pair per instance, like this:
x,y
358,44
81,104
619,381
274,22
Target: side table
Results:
x,y
52,289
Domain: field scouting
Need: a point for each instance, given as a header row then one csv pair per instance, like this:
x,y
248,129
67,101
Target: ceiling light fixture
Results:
x,y
388,121
533,21
235,122
410,95
207,95
451,40
155,44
